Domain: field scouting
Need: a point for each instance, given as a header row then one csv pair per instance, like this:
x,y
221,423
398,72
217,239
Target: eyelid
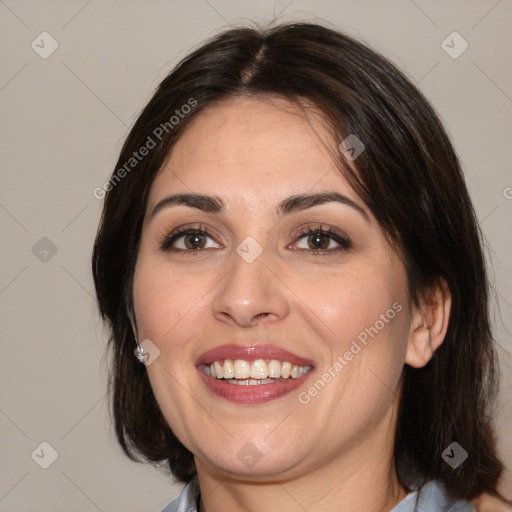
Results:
x,y
168,239
343,241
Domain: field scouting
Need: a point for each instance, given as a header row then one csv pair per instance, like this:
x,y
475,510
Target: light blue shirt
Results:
x,y
431,498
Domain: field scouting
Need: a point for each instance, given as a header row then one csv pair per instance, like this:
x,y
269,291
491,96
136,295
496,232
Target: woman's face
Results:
x,y
242,282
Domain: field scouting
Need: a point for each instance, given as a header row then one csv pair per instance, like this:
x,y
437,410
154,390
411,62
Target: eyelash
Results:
x,y
342,240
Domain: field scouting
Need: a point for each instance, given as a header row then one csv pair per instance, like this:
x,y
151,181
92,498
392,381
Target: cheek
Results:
x,y
364,319
356,303
167,308
164,301
366,340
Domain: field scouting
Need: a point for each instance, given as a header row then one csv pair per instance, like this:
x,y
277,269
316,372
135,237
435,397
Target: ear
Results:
x,y
131,316
429,324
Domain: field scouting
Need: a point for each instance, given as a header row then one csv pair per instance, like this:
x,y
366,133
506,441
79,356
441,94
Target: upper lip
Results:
x,y
251,353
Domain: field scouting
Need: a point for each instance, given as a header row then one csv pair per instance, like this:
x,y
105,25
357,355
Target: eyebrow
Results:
x,y
299,202
294,203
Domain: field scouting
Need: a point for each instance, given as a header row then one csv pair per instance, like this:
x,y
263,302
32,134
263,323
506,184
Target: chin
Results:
x,y
255,458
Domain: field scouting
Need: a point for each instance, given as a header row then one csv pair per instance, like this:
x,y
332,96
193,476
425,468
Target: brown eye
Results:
x,y
189,240
319,241
194,240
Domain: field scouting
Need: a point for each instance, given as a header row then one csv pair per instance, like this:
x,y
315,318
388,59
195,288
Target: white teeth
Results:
x,y
242,370
251,382
286,369
219,373
274,369
228,369
259,369
256,372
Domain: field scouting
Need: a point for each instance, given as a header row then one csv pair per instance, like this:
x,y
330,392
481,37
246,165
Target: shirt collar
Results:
x,y
431,498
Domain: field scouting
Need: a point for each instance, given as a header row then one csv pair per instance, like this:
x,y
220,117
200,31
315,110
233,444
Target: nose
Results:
x,y
250,294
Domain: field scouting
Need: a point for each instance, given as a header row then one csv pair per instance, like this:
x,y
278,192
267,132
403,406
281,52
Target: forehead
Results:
x,y
262,147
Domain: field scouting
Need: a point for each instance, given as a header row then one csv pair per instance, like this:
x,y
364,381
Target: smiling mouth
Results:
x,y
252,373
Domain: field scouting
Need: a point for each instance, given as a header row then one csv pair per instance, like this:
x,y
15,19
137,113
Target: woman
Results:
x,y
289,246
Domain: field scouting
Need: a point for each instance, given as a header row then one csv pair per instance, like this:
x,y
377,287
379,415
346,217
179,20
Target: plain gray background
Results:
x,y
64,118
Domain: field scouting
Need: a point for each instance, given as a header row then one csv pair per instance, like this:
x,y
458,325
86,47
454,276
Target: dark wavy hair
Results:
x,y
408,176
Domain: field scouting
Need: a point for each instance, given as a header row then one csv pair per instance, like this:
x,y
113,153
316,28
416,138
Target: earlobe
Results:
x,y
419,348
429,324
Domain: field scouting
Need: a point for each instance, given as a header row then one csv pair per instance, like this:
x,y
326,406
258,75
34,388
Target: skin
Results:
x,y
486,503
252,153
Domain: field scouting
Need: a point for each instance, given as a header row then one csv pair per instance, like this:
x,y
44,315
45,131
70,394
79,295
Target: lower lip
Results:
x,y
256,394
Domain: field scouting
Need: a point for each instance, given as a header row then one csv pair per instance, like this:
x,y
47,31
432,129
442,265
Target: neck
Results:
x,y
360,477
377,496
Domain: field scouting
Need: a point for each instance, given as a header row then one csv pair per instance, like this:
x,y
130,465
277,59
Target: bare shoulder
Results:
x,y
487,503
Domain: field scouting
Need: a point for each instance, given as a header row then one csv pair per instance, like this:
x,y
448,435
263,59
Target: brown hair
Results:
x,y
408,176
